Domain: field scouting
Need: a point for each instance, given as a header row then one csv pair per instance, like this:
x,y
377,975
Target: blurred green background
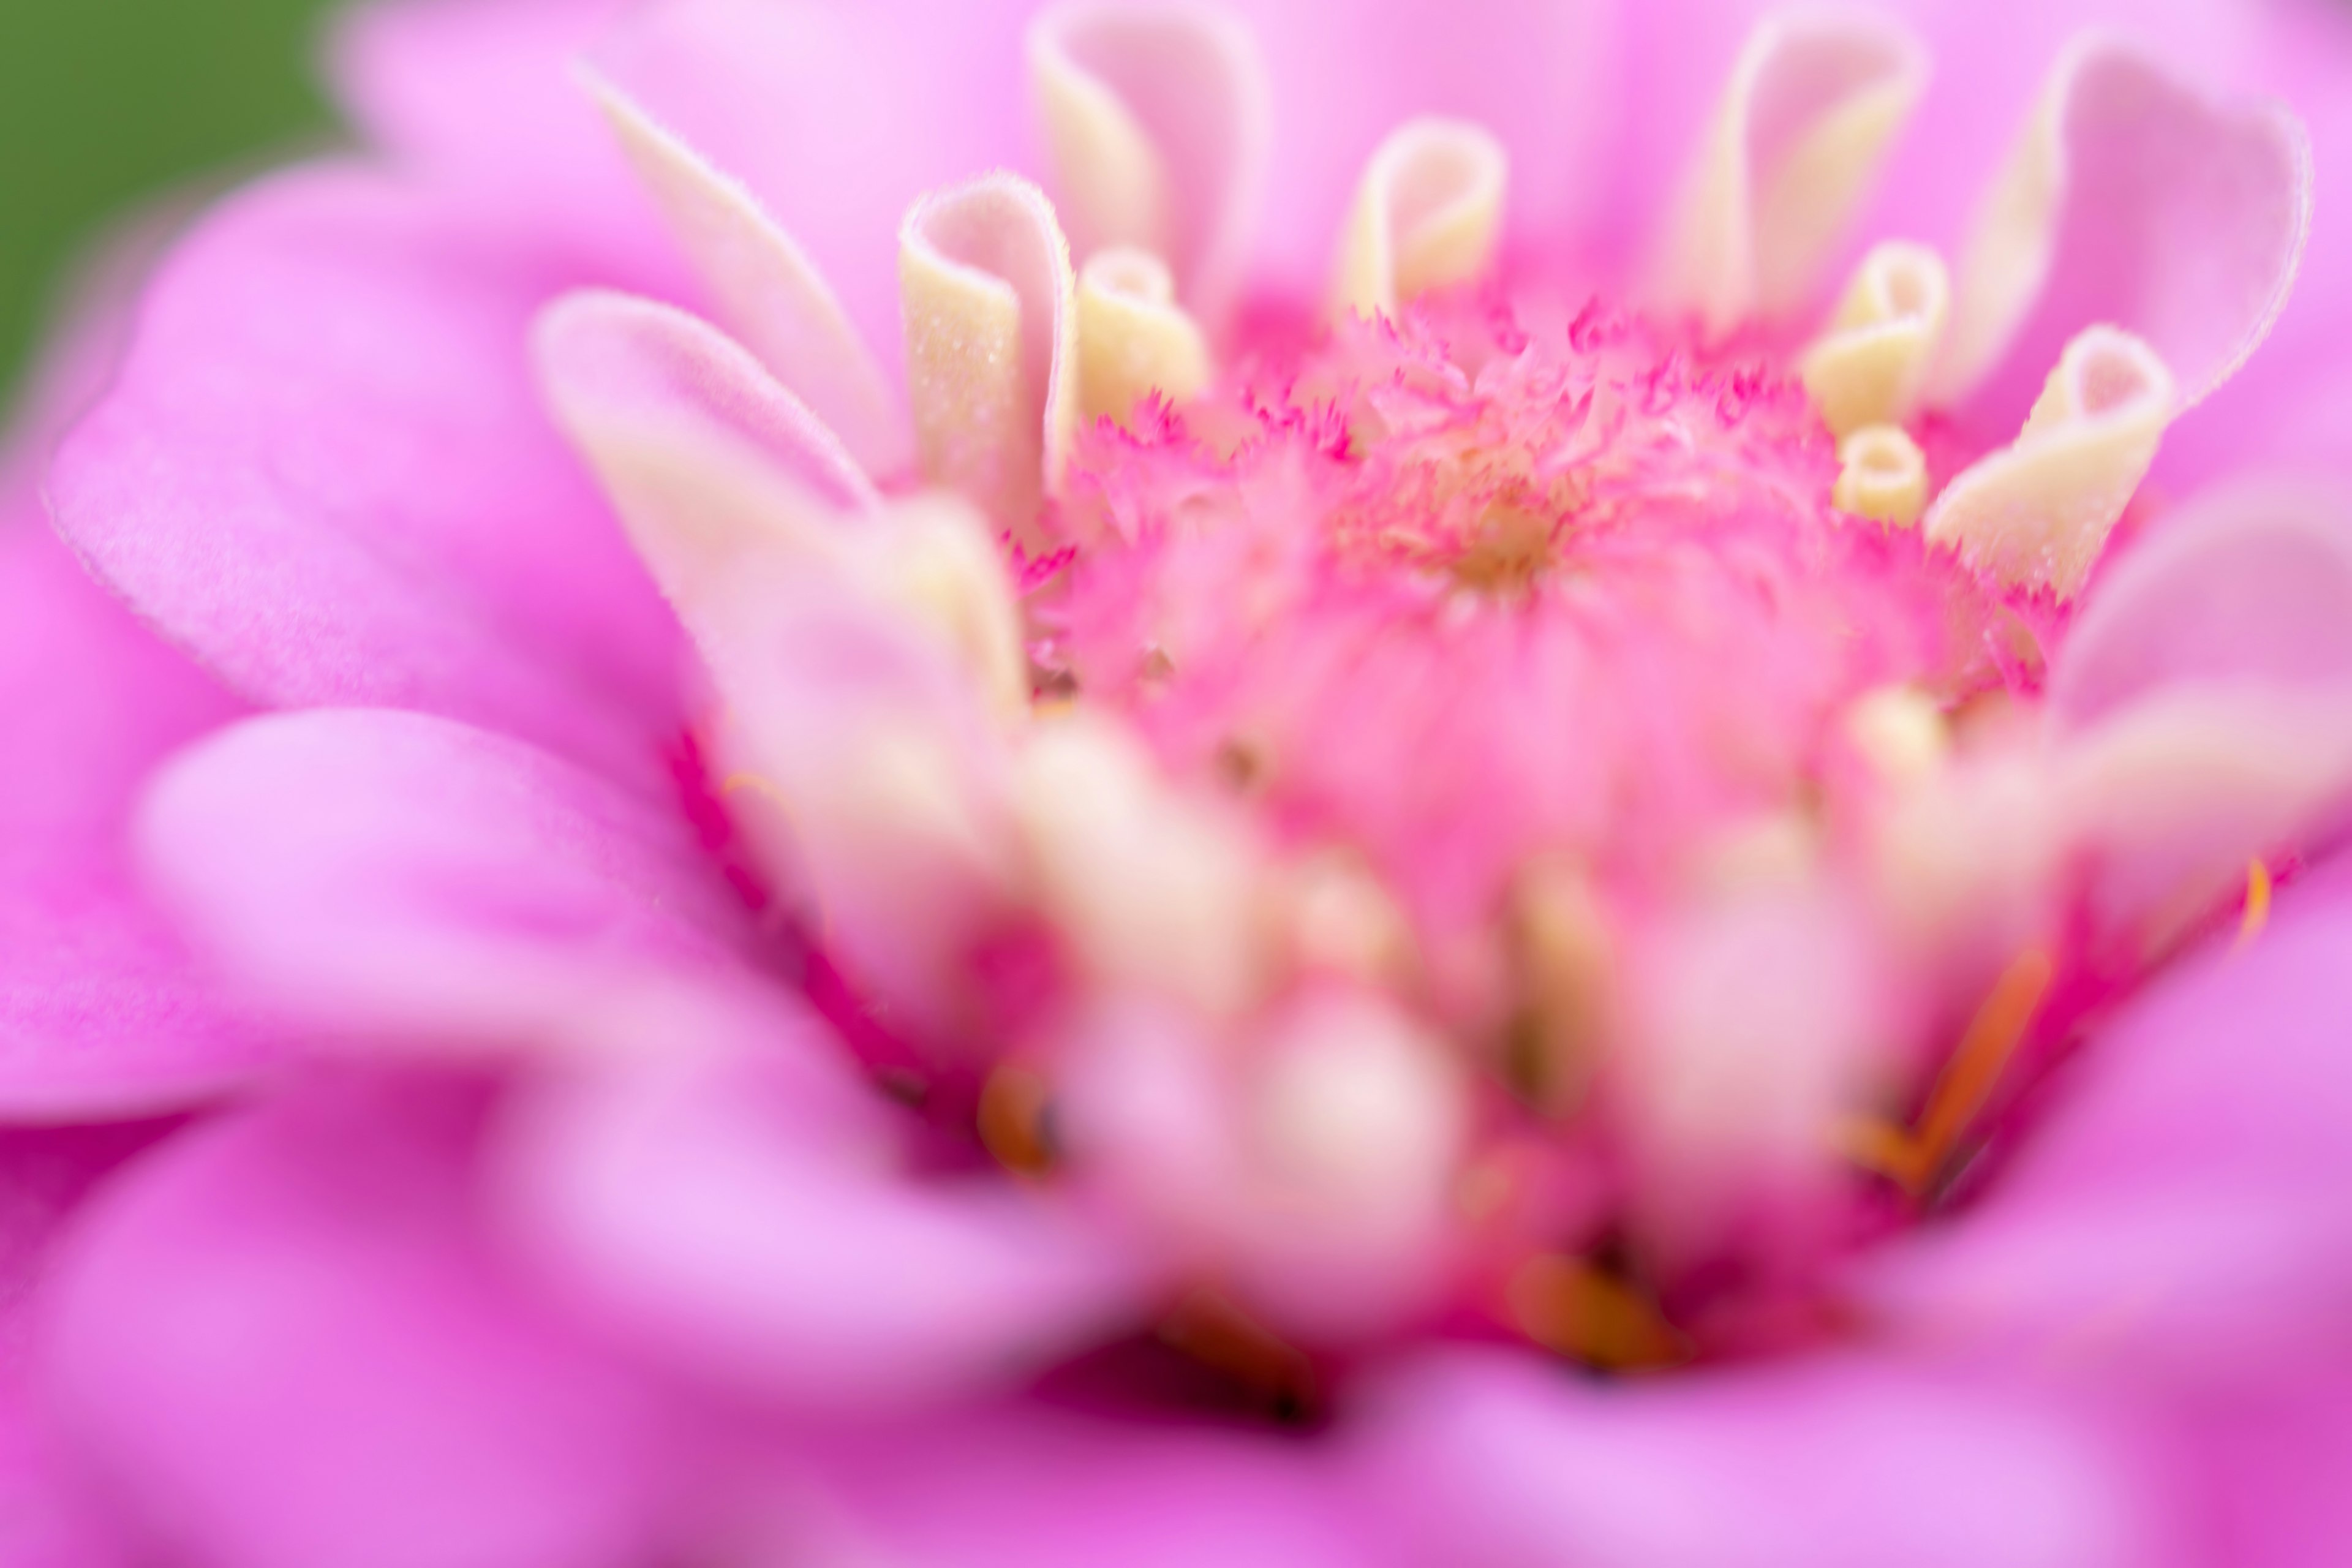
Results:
x,y
104,102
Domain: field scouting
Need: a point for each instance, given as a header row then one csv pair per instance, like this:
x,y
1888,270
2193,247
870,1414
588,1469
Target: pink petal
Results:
x,y
1542,75
1821,1464
764,287
2180,1217
993,418
1037,1491
1191,81
276,1346
2204,698
835,115
409,879
46,1175
325,472
1991,60
480,95
2178,216
2274,1469
707,460
47,1518
732,1203
893,782
103,1011
2253,585
2288,410
1742,249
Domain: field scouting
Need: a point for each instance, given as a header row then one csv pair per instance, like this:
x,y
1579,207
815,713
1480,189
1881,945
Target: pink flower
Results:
x,y
1518,798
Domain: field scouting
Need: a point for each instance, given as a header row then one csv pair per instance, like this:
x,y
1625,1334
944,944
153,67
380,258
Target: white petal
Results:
x,y
1807,119
2177,793
1871,365
1158,120
707,458
1760,1014
892,784
2248,587
1154,891
936,558
2037,512
1882,475
1428,214
768,293
990,309
1133,339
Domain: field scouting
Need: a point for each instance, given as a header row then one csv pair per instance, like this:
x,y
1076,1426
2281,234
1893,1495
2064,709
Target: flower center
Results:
x,y
1460,594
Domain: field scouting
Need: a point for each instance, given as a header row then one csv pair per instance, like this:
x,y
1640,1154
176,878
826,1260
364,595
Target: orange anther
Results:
x,y
2258,903
1915,1158
1575,1310
1220,1336
1012,1120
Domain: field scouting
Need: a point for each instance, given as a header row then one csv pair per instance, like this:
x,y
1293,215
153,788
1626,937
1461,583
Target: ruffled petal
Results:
x,y
1812,105
324,472
408,878
2137,199
732,1202
2288,408
276,1345
1156,122
991,309
1831,1464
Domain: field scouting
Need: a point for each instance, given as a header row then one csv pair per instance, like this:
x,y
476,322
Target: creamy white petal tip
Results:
x,y
1871,365
1900,733
1428,213
765,291
2037,512
1811,112
710,463
990,303
935,557
1133,338
1154,891
1157,121
1882,475
1359,1114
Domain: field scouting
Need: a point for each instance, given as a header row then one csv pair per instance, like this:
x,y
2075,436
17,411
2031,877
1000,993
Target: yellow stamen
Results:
x,y
1916,1157
2258,903
1575,1310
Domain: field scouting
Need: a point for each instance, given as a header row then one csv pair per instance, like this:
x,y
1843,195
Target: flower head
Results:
x,y
1318,823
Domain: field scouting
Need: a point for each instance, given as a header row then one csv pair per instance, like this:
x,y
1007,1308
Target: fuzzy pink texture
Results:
x,y
726,1301
1694,614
